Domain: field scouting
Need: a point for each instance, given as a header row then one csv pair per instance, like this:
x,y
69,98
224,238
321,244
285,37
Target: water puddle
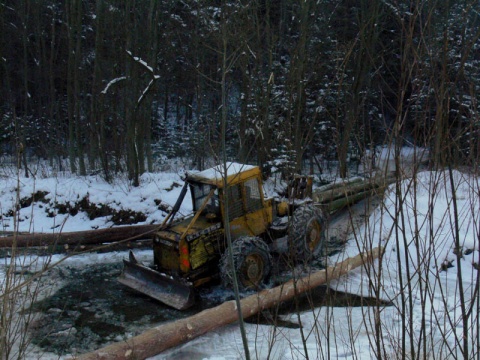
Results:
x,y
93,309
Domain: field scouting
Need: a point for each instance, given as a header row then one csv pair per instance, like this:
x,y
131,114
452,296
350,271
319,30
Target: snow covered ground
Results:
x,y
431,284
414,275
68,190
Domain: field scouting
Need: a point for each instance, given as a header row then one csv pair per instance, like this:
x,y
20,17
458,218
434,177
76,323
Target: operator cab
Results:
x,y
199,193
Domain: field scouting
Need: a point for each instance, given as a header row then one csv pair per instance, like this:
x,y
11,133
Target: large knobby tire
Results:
x,y
306,237
252,263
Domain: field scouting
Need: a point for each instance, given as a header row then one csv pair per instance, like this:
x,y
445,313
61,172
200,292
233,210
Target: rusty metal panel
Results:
x,y
206,247
166,257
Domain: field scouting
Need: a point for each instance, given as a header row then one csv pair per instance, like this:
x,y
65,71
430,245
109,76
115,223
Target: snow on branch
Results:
x,y
149,86
144,64
145,91
114,81
150,70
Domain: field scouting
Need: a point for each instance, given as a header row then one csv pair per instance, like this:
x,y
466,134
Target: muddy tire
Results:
x,y
252,262
306,237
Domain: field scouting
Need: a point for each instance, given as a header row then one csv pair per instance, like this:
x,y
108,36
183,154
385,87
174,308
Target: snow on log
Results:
x,y
79,238
163,337
337,196
114,81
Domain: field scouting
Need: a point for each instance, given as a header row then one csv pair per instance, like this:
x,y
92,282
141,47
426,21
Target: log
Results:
x,y
341,203
154,341
344,191
340,184
80,238
337,197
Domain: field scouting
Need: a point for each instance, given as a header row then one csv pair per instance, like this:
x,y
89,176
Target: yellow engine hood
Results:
x,y
175,232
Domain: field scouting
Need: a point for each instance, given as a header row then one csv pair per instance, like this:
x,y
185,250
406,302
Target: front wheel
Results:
x,y
252,263
307,233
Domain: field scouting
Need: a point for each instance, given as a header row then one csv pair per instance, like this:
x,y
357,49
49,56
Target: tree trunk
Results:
x,y
74,18
362,58
131,91
79,238
77,88
163,337
97,149
154,41
54,148
300,60
21,143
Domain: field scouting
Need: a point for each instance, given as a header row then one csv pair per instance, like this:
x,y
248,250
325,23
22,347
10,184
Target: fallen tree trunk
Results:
x,y
163,337
80,238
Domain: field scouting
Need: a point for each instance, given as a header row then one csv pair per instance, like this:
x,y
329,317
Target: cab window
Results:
x,y
235,203
253,195
200,193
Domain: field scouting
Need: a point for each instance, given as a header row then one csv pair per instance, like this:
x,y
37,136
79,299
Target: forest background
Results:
x,y
119,86
128,86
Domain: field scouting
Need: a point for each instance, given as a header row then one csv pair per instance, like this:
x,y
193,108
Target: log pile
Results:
x,y
163,337
338,195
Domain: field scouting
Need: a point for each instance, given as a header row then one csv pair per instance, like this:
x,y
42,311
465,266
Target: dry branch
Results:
x,y
163,337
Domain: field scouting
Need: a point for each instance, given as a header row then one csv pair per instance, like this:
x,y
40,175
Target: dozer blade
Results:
x,y
175,293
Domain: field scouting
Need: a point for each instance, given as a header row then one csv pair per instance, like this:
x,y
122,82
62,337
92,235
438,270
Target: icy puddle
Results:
x,y
93,309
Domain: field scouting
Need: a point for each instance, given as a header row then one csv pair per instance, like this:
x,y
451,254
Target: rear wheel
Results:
x,y
306,236
252,263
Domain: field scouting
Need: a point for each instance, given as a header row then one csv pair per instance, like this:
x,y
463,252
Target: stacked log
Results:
x,y
336,196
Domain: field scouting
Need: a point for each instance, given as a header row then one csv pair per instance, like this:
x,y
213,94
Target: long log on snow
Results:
x,y
80,238
163,337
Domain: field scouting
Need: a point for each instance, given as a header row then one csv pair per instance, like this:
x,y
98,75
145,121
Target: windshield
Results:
x,y
200,193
